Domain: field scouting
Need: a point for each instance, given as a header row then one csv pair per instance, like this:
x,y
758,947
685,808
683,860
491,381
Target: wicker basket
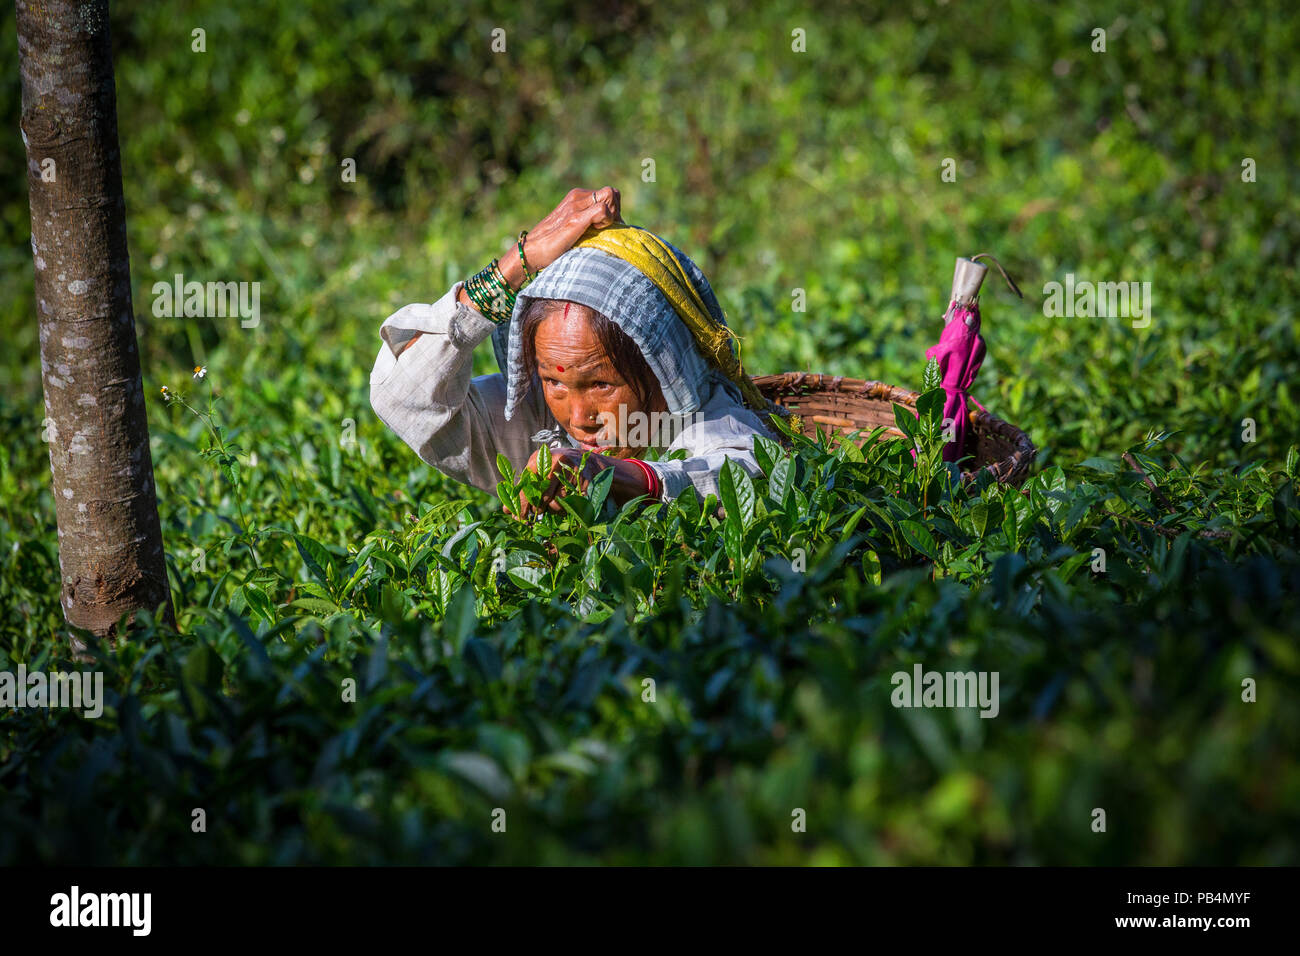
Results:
x,y
840,405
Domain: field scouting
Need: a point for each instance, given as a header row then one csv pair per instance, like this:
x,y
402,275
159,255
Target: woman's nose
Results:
x,y
583,415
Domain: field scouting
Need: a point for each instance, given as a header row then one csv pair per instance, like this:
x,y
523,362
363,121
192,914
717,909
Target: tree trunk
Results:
x,y
110,540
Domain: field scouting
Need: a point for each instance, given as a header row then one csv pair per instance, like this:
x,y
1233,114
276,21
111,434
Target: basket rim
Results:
x,y
1012,468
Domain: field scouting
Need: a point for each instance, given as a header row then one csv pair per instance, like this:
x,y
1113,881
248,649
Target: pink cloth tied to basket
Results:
x,y
960,352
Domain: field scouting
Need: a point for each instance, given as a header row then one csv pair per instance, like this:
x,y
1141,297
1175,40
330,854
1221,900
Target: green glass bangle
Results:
x,y
492,294
529,275
500,278
478,293
504,294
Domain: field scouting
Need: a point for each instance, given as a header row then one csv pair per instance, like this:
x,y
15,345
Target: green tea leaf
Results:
x,y
503,466
461,617
930,406
1105,465
315,606
919,537
847,531
688,505
449,548
1009,528
767,453
598,491
505,495
871,567
527,576
481,771
733,540
906,421
931,376
780,480
314,556
736,489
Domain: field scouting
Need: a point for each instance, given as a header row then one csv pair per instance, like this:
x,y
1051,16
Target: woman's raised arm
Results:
x,y
421,386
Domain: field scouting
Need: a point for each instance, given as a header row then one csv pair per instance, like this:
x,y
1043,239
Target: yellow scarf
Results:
x,y
652,256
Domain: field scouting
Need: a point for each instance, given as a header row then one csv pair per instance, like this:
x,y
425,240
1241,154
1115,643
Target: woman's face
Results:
x,y
583,390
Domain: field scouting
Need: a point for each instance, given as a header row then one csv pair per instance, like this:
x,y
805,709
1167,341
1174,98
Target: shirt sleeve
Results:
x,y
711,443
425,393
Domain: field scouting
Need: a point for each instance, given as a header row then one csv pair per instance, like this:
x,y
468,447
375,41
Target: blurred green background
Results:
x,y
775,170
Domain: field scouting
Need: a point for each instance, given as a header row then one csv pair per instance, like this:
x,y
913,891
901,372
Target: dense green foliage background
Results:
x,y
302,559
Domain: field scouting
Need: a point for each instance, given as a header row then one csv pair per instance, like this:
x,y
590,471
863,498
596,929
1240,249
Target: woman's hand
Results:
x,y
578,468
567,464
580,210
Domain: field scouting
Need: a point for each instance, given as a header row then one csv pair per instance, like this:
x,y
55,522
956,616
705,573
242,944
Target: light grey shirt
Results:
x,y
457,424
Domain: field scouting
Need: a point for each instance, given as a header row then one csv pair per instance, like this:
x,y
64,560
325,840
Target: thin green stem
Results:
x,y
234,480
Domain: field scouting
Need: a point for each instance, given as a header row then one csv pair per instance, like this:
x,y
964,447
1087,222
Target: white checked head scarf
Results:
x,y
621,292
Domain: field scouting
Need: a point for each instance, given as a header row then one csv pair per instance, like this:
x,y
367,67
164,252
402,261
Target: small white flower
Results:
x,y
200,371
